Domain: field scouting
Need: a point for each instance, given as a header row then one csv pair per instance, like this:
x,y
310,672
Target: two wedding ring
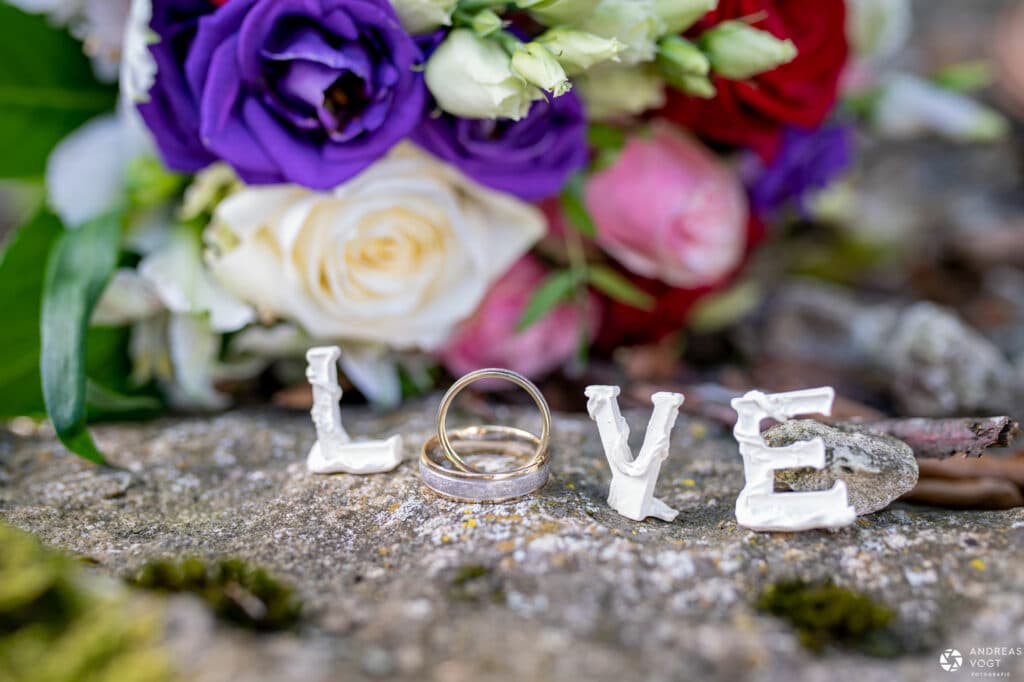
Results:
x,y
460,465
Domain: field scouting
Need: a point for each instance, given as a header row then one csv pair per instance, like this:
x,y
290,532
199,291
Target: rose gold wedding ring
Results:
x,y
485,442
445,471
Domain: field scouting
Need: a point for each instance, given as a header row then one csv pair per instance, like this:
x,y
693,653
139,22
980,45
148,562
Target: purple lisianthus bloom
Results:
x,y
304,91
531,158
171,112
807,161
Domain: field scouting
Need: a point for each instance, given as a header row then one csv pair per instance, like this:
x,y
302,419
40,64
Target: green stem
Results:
x,y
578,266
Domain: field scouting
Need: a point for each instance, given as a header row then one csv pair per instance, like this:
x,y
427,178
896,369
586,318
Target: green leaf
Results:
x,y
106,402
78,269
574,209
615,286
606,137
965,77
21,286
558,287
47,89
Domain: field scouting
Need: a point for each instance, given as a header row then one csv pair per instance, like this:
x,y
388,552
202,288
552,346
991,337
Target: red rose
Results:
x,y
753,113
623,325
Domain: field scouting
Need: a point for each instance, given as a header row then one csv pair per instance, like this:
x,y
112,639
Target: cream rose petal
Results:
x,y
397,256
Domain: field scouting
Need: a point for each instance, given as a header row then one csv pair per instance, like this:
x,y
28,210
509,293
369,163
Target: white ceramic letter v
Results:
x,y
633,480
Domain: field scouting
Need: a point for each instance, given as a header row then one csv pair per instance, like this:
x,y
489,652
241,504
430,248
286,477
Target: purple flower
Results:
x,y
303,91
171,112
531,158
807,160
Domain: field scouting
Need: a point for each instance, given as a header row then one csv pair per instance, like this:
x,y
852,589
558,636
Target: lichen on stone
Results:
x,y
824,614
237,592
56,625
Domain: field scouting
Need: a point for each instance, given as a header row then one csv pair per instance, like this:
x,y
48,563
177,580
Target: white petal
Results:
x,y
180,278
85,172
374,373
194,349
128,298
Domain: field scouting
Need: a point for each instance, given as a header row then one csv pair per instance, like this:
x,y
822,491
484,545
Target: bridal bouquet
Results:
x,y
428,183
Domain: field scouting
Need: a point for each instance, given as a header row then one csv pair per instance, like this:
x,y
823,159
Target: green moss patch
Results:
x,y
58,626
236,591
824,614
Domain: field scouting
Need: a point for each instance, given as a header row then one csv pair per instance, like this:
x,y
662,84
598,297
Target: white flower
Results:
x,y
738,51
99,24
398,256
178,316
552,12
635,23
85,172
472,77
138,67
877,29
578,51
611,92
680,15
420,16
909,106
183,283
535,64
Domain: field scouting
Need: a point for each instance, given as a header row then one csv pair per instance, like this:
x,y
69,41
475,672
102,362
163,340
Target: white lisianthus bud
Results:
x,y
613,91
679,15
536,65
877,29
738,50
420,16
693,84
553,12
472,77
487,22
635,23
908,106
578,51
678,56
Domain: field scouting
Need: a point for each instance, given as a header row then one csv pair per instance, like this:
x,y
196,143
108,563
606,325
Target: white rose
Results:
x,y
420,16
398,256
472,77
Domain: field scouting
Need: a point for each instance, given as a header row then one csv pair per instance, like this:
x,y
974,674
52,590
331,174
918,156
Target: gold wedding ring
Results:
x,y
445,471
479,375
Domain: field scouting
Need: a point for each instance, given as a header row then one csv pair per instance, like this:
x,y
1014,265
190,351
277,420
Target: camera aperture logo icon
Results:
x,y
951,660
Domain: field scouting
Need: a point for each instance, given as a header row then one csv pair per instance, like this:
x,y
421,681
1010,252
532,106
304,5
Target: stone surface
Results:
x,y
877,469
400,584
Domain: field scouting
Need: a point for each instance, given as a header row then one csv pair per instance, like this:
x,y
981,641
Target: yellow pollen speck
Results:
x,y
383,551
570,485
978,564
469,523
467,512
688,482
444,538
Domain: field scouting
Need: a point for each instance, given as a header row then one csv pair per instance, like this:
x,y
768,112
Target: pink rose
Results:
x,y
489,338
668,209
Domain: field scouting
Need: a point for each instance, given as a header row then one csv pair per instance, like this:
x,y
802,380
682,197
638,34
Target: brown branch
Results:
x,y
1006,468
975,493
942,438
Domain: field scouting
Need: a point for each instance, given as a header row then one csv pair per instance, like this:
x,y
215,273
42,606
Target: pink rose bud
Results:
x,y
489,338
668,209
